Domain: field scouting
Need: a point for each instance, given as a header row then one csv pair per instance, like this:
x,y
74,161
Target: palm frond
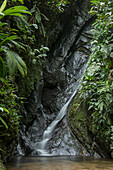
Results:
x,y
14,62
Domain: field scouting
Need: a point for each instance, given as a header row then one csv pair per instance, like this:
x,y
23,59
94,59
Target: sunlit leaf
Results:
x,y
4,123
3,5
16,10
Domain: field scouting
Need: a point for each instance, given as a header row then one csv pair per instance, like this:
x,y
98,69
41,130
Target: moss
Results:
x,y
78,121
79,124
34,75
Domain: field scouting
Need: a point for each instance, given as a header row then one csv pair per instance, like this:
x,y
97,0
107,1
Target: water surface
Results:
x,y
60,163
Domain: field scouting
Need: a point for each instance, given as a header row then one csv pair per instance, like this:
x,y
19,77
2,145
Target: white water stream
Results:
x,y
48,132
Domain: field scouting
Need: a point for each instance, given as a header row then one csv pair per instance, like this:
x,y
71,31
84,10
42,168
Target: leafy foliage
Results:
x,y
59,4
98,81
13,59
17,38
18,33
36,19
9,118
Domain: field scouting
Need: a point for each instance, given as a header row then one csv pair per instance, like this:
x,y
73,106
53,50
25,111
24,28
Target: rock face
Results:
x,y
65,65
80,122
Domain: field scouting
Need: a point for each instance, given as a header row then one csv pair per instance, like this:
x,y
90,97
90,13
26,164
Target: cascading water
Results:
x,y
48,132
66,63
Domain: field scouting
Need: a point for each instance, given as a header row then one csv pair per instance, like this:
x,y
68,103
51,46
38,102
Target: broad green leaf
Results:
x,y
16,14
44,49
20,68
3,5
2,68
14,62
18,45
14,30
3,36
1,50
16,9
2,24
35,26
10,38
5,82
4,123
19,13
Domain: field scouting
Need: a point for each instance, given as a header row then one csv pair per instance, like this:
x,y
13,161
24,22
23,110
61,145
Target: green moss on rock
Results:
x,y
34,75
78,122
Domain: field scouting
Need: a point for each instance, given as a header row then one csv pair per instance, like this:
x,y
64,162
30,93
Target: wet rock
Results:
x,y
33,103
65,65
80,125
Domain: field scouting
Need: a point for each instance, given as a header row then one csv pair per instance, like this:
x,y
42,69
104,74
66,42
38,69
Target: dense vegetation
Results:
x,y
19,27
97,86
21,23
98,81
10,61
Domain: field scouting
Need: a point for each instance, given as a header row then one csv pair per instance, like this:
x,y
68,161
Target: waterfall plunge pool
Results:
x,y
60,163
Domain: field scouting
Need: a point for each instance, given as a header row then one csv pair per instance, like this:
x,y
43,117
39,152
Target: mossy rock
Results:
x,y
34,75
78,121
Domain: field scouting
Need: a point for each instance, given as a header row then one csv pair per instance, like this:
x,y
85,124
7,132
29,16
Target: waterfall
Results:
x,y
48,132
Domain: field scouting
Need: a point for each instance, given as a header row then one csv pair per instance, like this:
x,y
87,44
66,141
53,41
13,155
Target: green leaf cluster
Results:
x,y
9,113
58,4
97,86
36,19
18,33
10,61
14,61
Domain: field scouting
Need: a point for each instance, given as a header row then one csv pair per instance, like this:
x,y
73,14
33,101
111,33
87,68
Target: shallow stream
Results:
x,y
60,163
